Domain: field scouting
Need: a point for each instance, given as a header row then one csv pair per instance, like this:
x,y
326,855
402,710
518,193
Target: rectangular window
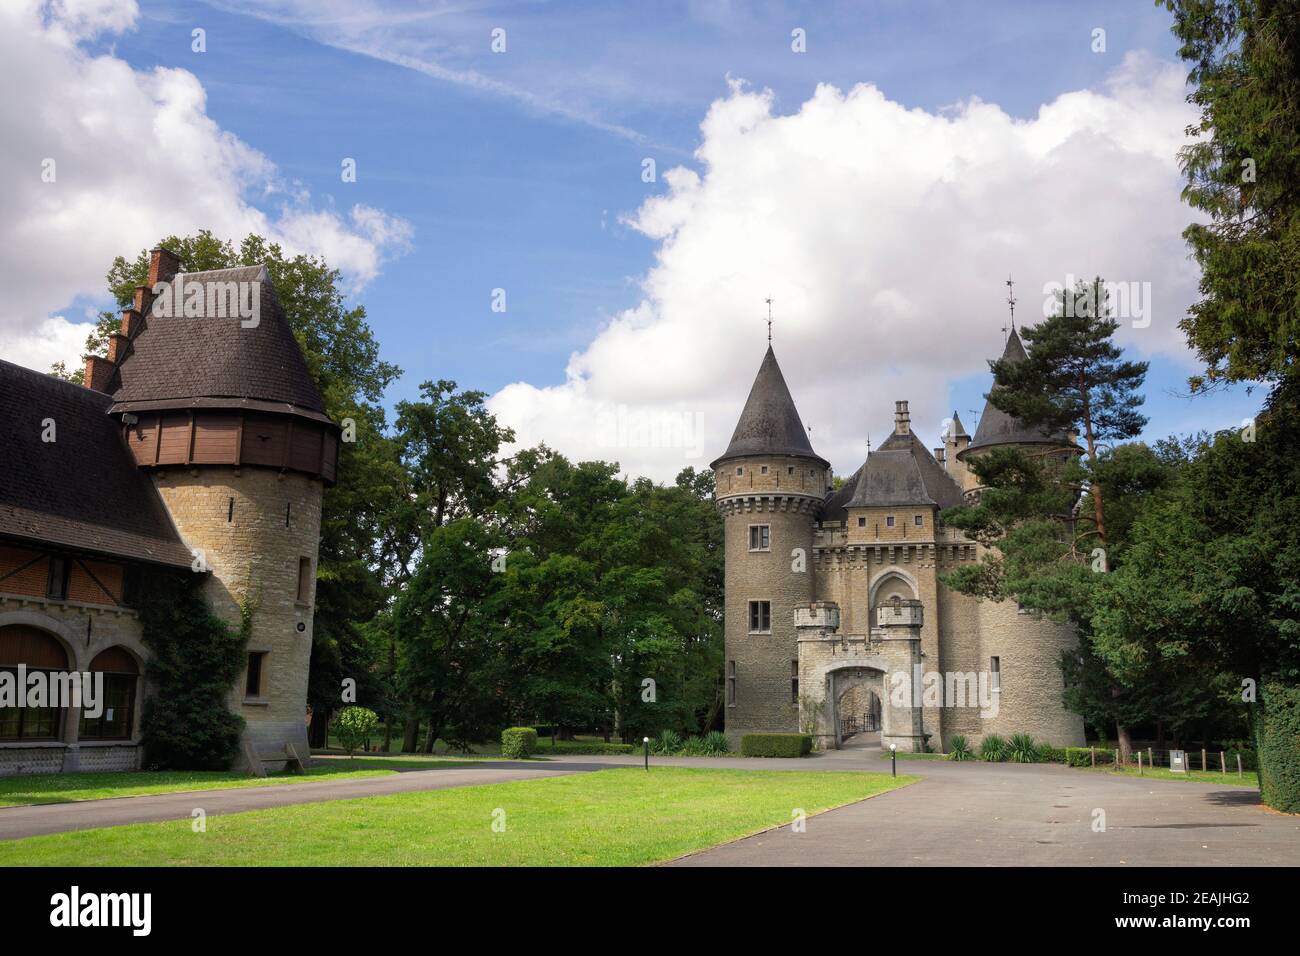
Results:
x,y
760,617
889,521
760,537
995,674
794,682
762,469
57,585
731,683
740,470
304,580
919,521
789,470
862,522
253,684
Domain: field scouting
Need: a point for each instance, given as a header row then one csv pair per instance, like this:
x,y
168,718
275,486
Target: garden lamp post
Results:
x,y
893,760
645,744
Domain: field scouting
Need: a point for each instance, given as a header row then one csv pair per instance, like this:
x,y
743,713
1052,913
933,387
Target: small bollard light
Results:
x,y
893,760
645,743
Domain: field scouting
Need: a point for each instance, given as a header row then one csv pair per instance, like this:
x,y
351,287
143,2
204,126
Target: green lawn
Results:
x,y
24,789
618,817
1248,779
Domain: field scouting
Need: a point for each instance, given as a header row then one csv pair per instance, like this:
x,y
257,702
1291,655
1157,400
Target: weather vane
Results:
x,y
768,300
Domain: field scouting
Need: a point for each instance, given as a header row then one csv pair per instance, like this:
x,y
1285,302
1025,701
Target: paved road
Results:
x,y
978,814
18,822
967,814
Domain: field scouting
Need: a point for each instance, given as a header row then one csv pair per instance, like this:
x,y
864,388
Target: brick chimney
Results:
x,y
902,420
938,454
143,299
99,373
163,266
132,323
118,344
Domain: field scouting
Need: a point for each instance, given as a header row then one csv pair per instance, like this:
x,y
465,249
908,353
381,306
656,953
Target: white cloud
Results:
x,y
884,234
135,156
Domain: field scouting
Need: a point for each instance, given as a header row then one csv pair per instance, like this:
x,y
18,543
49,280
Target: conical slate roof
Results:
x,y
218,360
958,430
996,427
769,424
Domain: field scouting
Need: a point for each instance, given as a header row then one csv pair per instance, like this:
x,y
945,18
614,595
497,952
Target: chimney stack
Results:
x,y
938,454
902,420
99,373
132,323
163,266
118,343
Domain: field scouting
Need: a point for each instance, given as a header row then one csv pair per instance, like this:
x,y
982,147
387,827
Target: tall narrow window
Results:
x,y
760,617
995,674
794,682
304,580
288,507
230,511
760,537
253,683
57,585
731,683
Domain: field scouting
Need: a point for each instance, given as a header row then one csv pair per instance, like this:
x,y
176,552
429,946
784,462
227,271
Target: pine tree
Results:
x,y
1074,379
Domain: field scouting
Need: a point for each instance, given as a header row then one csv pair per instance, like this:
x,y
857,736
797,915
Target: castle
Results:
x,y
199,444
837,622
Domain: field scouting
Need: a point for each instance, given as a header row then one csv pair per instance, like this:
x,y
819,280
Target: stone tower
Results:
x,y
769,487
218,406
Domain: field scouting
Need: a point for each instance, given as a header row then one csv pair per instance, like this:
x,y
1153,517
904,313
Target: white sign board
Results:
x,y
1178,761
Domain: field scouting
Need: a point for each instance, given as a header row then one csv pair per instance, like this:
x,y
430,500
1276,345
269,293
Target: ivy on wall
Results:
x,y
195,660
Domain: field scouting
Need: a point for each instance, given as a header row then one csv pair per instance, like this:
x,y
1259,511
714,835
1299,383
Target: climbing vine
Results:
x,y
195,660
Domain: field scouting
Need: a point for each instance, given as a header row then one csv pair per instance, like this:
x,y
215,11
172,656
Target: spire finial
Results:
x,y
768,300
1011,303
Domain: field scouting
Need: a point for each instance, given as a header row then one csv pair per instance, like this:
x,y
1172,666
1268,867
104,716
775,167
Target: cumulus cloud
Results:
x,y
101,159
884,234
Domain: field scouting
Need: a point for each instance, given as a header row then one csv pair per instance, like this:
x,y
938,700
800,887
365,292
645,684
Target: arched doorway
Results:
x,y
39,651
856,710
116,719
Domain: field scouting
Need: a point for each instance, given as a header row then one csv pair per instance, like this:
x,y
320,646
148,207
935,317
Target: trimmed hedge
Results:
x,y
1082,757
1277,745
588,748
518,741
775,745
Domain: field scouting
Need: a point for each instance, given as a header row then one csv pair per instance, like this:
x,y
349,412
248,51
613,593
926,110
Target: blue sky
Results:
x,y
520,170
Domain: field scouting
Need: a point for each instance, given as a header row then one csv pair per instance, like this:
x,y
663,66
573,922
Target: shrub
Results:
x,y
1022,749
517,742
1276,719
959,748
1082,756
993,748
1049,754
715,742
668,742
775,745
352,725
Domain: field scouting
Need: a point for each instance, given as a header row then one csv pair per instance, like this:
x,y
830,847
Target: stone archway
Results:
x,y
854,693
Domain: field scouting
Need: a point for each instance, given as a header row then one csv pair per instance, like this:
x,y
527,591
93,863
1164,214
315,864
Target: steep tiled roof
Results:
x,y
83,490
903,472
177,360
996,427
769,423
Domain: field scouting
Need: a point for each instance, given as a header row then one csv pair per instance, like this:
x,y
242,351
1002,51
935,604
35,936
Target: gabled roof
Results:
x,y
83,490
175,360
903,472
996,427
769,423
